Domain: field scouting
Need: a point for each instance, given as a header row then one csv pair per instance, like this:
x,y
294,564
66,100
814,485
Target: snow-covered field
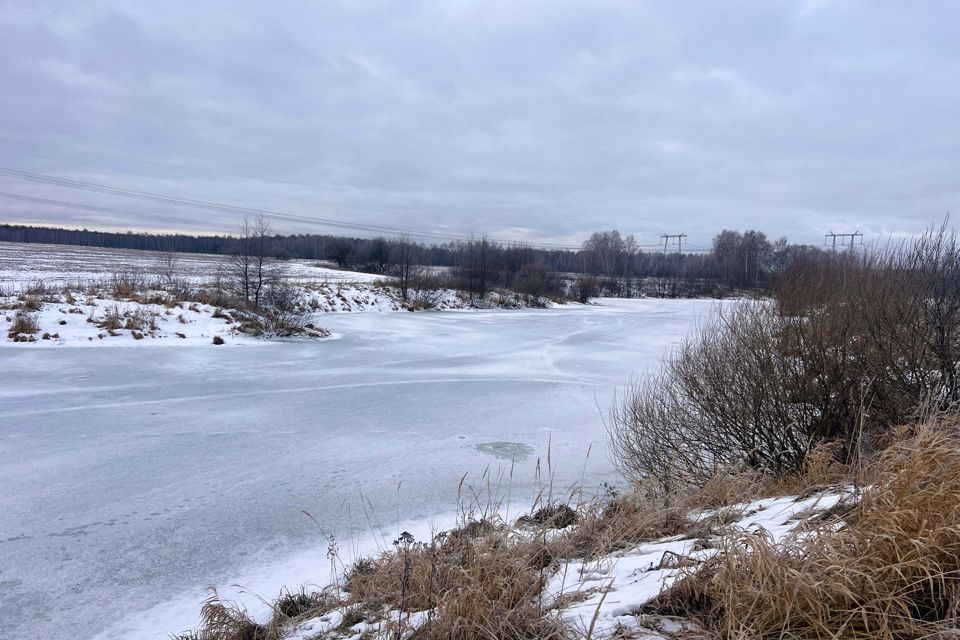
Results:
x,y
135,478
64,264
75,285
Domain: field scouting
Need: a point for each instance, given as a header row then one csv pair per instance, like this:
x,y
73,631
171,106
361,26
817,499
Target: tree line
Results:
x,y
608,262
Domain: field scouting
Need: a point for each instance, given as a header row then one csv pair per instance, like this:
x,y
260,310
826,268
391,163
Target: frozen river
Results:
x,y
134,477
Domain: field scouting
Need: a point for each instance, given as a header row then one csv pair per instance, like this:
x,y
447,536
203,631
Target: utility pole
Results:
x,y
833,237
666,239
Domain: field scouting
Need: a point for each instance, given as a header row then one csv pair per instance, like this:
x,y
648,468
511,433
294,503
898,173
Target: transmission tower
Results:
x,y
666,237
833,237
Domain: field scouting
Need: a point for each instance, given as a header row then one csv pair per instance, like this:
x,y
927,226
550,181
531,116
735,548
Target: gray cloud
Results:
x,y
536,120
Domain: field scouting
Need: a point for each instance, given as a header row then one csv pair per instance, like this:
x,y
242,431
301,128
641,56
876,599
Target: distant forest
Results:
x,y
736,261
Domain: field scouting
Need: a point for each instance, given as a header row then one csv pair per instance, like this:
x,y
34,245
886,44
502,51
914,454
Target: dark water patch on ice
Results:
x,y
506,450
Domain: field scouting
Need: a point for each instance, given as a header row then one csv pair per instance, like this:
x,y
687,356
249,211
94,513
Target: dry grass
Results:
x,y
649,513
487,579
479,581
30,303
112,320
23,323
224,620
890,569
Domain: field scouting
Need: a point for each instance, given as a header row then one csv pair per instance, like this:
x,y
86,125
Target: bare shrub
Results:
x,y
728,398
179,289
125,285
586,287
850,348
284,314
167,268
425,289
251,270
538,280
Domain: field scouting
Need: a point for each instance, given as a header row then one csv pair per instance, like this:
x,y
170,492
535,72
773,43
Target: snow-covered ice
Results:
x,y
134,478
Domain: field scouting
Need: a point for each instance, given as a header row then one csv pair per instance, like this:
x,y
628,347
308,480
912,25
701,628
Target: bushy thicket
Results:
x,y
849,347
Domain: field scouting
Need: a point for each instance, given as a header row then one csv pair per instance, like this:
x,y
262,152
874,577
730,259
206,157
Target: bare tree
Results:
x,y
241,264
404,252
342,250
380,253
262,272
603,247
167,267
249,270
478,267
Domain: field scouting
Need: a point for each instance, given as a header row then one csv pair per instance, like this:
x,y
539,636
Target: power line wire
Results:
x,y
192,170
239,210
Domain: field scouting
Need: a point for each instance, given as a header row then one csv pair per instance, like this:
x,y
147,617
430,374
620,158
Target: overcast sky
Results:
x,y
537,121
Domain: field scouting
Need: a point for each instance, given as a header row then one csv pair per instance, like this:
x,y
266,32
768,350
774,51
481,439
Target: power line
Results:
x,y
33,146
62,203
239,210
277,215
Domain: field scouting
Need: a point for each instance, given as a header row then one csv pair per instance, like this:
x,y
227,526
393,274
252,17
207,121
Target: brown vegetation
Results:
x,y
890,568
23,323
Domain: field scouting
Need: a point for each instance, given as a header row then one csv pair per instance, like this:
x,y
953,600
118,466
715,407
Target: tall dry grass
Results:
x,y
889,568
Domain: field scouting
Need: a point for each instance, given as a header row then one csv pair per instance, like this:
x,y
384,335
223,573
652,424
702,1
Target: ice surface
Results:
x,y
134,478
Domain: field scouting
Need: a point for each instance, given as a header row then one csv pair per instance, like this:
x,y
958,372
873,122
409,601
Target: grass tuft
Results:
x,y
23,323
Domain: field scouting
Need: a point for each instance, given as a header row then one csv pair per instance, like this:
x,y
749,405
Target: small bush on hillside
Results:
x,y
586,287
